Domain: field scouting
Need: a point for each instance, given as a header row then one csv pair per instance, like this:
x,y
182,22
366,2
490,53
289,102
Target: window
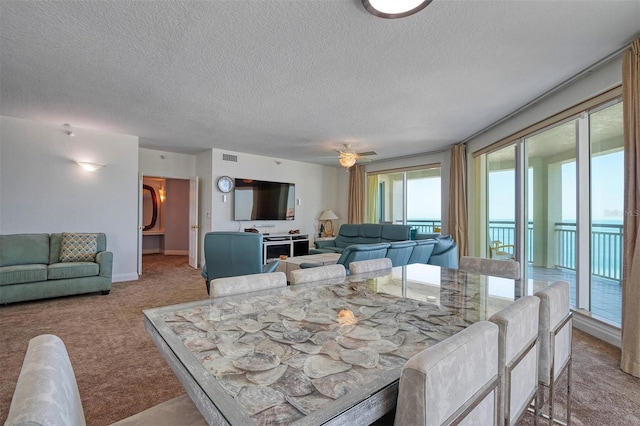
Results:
x,y
411,197
562,219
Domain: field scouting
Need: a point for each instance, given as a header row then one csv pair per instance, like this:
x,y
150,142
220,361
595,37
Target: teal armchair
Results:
x,y
230,254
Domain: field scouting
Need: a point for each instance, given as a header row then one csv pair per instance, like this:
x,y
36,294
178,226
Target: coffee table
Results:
x,y
292,263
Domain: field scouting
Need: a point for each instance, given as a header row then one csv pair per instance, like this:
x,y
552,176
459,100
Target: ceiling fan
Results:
x,y
348,157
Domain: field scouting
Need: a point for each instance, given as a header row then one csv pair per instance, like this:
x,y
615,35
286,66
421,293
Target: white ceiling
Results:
x,y
295,79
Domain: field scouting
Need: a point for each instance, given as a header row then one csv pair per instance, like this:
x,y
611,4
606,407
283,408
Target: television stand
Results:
x,y
290,245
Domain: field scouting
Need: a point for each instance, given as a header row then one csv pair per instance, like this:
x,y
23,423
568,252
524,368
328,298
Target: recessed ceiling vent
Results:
x,y
229,157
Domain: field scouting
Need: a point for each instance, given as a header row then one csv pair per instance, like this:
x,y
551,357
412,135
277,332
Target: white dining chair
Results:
x,y
320,273
494,267
555,334
362,266
229,286
518,357
452,381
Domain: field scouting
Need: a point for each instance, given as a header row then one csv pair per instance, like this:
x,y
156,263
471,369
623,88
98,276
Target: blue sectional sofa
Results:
x,y
366,233
38,266
402,249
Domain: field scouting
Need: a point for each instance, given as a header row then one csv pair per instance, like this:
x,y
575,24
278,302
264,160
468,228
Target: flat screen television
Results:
x,y
263,200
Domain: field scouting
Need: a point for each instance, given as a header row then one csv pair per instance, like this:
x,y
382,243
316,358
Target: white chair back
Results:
x,y
230,286
497,268
518,356
362,266
555,334
454,380
320,273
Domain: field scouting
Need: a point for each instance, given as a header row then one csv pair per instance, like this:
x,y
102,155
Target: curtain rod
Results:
x,y
551,91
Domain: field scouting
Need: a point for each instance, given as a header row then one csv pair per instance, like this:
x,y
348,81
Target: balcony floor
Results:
x,y
606,295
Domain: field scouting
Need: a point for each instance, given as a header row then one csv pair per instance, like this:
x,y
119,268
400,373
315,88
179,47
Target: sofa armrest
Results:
x,y
105,262
324,244
309,265
270,266
46,392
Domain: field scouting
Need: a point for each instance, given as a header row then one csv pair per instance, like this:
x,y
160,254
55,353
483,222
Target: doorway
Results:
x,y
165,218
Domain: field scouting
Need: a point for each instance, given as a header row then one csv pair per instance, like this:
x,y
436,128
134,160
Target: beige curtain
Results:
x,y
356,194
374,199
457,218
630,361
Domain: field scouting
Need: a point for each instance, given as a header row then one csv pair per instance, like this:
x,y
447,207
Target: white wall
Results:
x,y
43,190
317,188
166,164
597,81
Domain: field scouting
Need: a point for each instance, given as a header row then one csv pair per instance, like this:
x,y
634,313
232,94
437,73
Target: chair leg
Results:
x,y
569,391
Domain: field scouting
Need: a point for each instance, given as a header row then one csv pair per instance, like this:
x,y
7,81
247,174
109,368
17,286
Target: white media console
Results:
x,y
276,245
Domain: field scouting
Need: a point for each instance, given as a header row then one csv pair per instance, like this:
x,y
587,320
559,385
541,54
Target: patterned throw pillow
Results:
x,y
78,247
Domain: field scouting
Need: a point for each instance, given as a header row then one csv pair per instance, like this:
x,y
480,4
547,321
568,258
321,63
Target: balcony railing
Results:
x,y
606,243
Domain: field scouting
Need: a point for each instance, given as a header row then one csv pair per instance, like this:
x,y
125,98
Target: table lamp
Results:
x,y
327,216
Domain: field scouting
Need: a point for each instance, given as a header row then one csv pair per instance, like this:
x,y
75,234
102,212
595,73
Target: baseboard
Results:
x,y
596,328
176,253
151,251
124,277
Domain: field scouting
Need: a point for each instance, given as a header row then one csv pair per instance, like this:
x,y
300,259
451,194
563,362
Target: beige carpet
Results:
x,y
120,372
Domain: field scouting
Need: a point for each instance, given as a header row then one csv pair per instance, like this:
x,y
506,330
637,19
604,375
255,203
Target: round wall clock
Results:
x,y
225,184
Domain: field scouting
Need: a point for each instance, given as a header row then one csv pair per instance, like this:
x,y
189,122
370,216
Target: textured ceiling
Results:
x,y
295,79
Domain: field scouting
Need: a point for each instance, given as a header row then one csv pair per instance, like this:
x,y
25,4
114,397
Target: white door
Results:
x,y
193,222
139,224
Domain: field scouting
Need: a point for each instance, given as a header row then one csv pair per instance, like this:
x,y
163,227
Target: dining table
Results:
x,y
329,352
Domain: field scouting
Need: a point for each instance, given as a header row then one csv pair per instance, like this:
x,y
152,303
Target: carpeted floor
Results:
x,y
120,372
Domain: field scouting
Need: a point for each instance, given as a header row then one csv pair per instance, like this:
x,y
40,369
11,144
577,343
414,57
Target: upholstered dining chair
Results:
x,y
497,268
229,286
326,272
555,333
454,380
362,266
229,254
518,357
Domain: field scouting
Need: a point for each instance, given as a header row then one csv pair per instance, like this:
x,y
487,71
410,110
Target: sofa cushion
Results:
x,y
78,247
347,235
63,270
22,274
390,233
369,233
24,249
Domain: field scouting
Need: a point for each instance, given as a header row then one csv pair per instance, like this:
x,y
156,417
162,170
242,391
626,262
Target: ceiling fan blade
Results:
x,y
366,153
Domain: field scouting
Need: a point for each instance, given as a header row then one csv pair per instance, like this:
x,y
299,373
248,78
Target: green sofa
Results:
x,y
37,266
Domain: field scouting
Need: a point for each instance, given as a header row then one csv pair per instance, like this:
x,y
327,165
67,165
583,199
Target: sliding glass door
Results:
x,y
562,218
411,197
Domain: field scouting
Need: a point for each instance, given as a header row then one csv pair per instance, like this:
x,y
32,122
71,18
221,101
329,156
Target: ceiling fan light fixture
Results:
x,y
391,9
347,160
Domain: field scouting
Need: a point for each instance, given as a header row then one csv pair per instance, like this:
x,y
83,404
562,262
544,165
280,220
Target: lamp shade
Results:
x,y
328,215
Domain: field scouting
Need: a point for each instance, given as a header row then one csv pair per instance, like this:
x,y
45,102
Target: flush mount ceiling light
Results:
x,y
394,8
90,167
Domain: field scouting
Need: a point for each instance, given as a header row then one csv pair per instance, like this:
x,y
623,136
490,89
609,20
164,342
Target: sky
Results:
x,y
607,202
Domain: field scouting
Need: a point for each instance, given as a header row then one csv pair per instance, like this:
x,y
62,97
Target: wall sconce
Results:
x,y
68,130
327,216
90,167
